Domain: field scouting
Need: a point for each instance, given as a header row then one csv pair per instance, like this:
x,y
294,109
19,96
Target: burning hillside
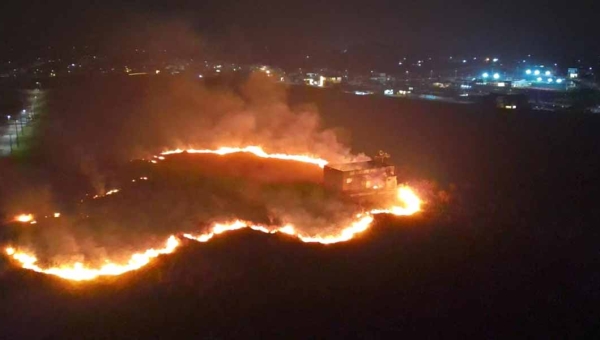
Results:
x,y
314,220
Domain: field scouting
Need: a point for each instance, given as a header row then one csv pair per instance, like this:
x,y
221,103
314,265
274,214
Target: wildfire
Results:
x,y
108,193
24,218
410,204
255,150
80,272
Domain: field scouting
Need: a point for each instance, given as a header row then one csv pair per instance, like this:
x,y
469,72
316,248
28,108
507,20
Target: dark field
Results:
x,y
513,254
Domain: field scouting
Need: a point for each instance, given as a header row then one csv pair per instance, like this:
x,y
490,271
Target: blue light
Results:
x,y
496,76
528,72
558,81
536,72
547,73
485,75
549,80
539,79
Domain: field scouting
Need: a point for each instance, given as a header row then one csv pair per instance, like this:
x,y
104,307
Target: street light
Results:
x,y
20,121
9,135
16,130
485,75
496,76
528,72
536,72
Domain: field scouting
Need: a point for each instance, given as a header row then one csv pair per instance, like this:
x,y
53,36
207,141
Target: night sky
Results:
x,y
556,28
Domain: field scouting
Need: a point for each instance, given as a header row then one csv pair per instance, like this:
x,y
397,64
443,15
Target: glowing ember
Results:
x,y
110,192
255,150
24,218
410,204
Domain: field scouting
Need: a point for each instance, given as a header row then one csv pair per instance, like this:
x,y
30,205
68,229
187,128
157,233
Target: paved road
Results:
x,y
8,133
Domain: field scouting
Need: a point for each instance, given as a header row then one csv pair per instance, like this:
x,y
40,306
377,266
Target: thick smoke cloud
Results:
x,y
93,128
146,115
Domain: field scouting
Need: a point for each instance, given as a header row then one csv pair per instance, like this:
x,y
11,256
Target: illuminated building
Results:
x,y
361,178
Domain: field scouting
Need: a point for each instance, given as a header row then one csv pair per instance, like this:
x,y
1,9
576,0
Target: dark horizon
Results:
x,y
282,31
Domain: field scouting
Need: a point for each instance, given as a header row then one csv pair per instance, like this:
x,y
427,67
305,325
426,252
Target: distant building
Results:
x,y
322,80
381,78
361,177
329,80
573,72
507,101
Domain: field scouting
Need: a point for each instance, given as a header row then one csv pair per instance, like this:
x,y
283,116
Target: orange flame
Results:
x,y
410,201
80,272
255,150
24,218
108,193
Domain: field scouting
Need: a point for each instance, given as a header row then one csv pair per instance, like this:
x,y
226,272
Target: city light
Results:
x,y
528,72
539,79
496,76
549,80
536,72
485,75
558,81
547,73
495,59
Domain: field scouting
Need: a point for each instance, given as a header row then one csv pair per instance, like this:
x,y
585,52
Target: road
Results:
x,y
8,134
18,121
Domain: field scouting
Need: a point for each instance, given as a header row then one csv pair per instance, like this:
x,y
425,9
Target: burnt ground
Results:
x,y
514,254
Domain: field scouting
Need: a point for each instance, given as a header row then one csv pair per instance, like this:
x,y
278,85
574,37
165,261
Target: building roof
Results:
x,y
357,166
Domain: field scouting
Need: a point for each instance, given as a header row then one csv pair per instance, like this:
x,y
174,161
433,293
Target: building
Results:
x,y
506,101
361,178
573,72
381,78
329,80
